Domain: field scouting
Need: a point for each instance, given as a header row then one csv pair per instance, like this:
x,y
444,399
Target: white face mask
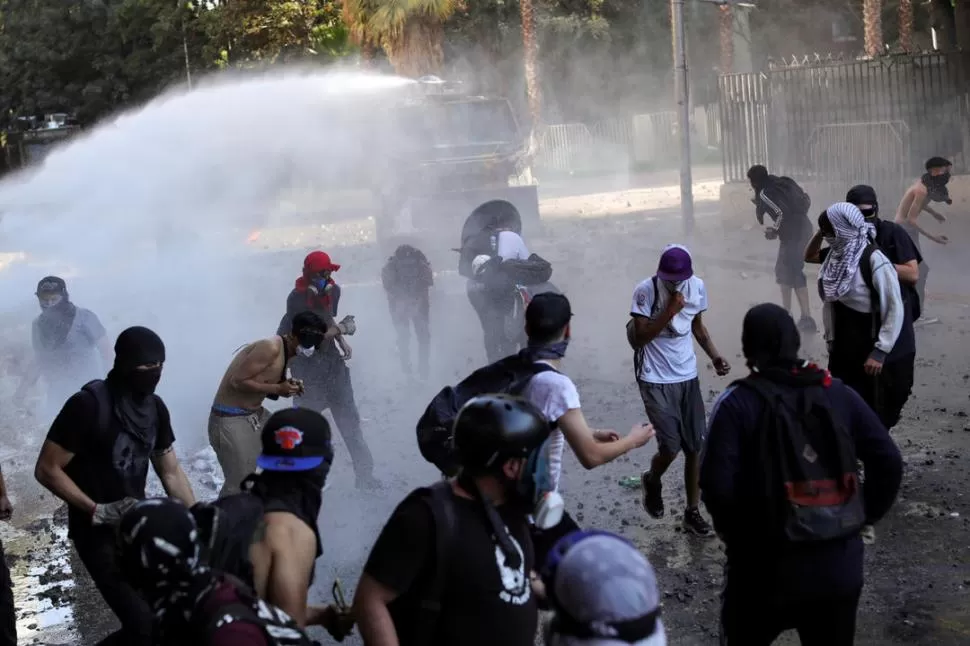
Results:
x,y
306,352
675,286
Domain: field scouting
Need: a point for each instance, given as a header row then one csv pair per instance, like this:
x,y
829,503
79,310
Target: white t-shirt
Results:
x,y
554,394
511,246
670,357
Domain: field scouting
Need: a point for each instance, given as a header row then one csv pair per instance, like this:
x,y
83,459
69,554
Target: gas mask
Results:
x,y
535,493
320,283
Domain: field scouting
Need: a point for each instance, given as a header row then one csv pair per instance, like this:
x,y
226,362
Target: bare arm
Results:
x,y
908,272
939,217
370,609
813,250
646,330
589,452
256,359
174,481
919,201
704,338
49,472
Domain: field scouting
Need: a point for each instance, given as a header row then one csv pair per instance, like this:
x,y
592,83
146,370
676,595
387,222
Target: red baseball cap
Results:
x,y
319,261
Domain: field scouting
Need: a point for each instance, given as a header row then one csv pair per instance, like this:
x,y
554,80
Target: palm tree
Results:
x,y
872,26
906,25
410,31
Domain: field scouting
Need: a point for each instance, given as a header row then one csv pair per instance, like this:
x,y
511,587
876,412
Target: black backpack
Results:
x,y
434,430
796,198
908,291
226,529
811,487
482,243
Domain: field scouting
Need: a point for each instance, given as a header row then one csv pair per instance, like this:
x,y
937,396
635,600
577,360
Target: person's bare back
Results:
x,y
261,362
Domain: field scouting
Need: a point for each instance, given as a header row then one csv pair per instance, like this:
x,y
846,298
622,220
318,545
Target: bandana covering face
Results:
x,y
852,235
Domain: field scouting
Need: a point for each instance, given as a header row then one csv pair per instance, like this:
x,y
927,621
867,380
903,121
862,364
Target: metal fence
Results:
x,y
825,120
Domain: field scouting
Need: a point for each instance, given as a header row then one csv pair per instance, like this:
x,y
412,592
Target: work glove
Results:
x,y
347,325
110,513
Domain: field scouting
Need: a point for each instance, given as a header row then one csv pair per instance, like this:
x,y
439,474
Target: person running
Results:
x,y
257,372
871,341
602,591
8,611
159,546
425,585
407,279
497,243
325,375
267,536
548,319
786,569
931,187
666,313
95,459
787,205
69,343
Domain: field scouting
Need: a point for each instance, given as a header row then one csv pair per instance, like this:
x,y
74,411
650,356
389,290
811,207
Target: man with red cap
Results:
x,y
325,376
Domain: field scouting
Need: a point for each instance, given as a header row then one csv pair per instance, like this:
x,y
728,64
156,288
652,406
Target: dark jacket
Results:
x,y
731,479
786,204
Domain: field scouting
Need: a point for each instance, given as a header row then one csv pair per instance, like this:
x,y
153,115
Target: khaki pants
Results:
x,y
237,443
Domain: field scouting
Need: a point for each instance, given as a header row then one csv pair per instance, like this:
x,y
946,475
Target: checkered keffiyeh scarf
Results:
x,y
852,235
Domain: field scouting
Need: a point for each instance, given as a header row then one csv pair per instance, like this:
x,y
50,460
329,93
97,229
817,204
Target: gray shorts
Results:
x,y
677,414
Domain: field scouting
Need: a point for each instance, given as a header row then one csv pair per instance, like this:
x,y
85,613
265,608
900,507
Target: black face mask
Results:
x,y
309,338
936,187
143,383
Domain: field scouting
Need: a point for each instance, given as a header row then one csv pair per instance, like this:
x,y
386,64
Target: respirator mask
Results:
x,y
320,283
535,490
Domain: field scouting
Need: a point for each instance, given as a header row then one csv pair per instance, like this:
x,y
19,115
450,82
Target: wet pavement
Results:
x,y
918,571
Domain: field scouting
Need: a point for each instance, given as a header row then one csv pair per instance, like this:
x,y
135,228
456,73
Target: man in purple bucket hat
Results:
x,y
666,314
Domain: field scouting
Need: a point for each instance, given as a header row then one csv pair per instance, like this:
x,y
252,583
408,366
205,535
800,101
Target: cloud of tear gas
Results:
x,y
147,215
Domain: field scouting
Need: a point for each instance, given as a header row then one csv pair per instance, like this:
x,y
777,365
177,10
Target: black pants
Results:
x,y
887,392
328,385
790,264
756,618
97,549
8,613
493,308
409,310
544,540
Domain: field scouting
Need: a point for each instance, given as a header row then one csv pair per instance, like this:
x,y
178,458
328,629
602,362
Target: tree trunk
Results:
x,y
961,12
727,39
418,51
531,56
906,25
872,26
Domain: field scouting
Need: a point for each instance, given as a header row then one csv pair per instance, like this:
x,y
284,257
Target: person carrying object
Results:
x,y
603,592
871,342
96,458
268,535
931,187
323,371
69,343
784,201
454,565
257,372
407,279
779,479
159,546
666,313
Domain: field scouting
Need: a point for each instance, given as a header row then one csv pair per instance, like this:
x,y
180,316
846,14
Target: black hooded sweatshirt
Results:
x,y
731,475
112,448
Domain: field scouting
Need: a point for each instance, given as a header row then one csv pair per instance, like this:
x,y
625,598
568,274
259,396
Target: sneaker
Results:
x,y
695,523
924,320
653,501
807,324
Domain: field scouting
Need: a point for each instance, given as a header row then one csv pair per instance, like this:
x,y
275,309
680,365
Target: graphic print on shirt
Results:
x,y
515,584
130,457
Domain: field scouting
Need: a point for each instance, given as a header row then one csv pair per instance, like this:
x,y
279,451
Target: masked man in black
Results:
x,y
323,370
96,460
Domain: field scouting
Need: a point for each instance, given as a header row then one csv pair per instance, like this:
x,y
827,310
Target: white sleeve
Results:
x,y
562,397
511,246
642,299
702,292
886,282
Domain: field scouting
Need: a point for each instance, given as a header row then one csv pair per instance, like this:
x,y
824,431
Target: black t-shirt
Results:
x,y
108,464
484,602
893,241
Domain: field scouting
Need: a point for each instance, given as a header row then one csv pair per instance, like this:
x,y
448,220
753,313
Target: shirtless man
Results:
x,y
931,187
257,372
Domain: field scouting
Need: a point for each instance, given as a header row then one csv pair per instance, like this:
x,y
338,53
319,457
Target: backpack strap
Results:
x,y
441,500
535,368
99,390
865,268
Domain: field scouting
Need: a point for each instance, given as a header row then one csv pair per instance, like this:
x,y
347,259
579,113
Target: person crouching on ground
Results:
x,y
407,278
666,313
96,458
603,592
257,372
779,480
159,547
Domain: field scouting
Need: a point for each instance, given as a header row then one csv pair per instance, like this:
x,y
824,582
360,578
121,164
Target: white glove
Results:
x,y
110,513
347,325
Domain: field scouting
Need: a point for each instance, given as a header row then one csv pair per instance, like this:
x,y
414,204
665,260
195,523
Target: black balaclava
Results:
x,y
770,343
297,492
134,389
55,321
160,549
864,194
